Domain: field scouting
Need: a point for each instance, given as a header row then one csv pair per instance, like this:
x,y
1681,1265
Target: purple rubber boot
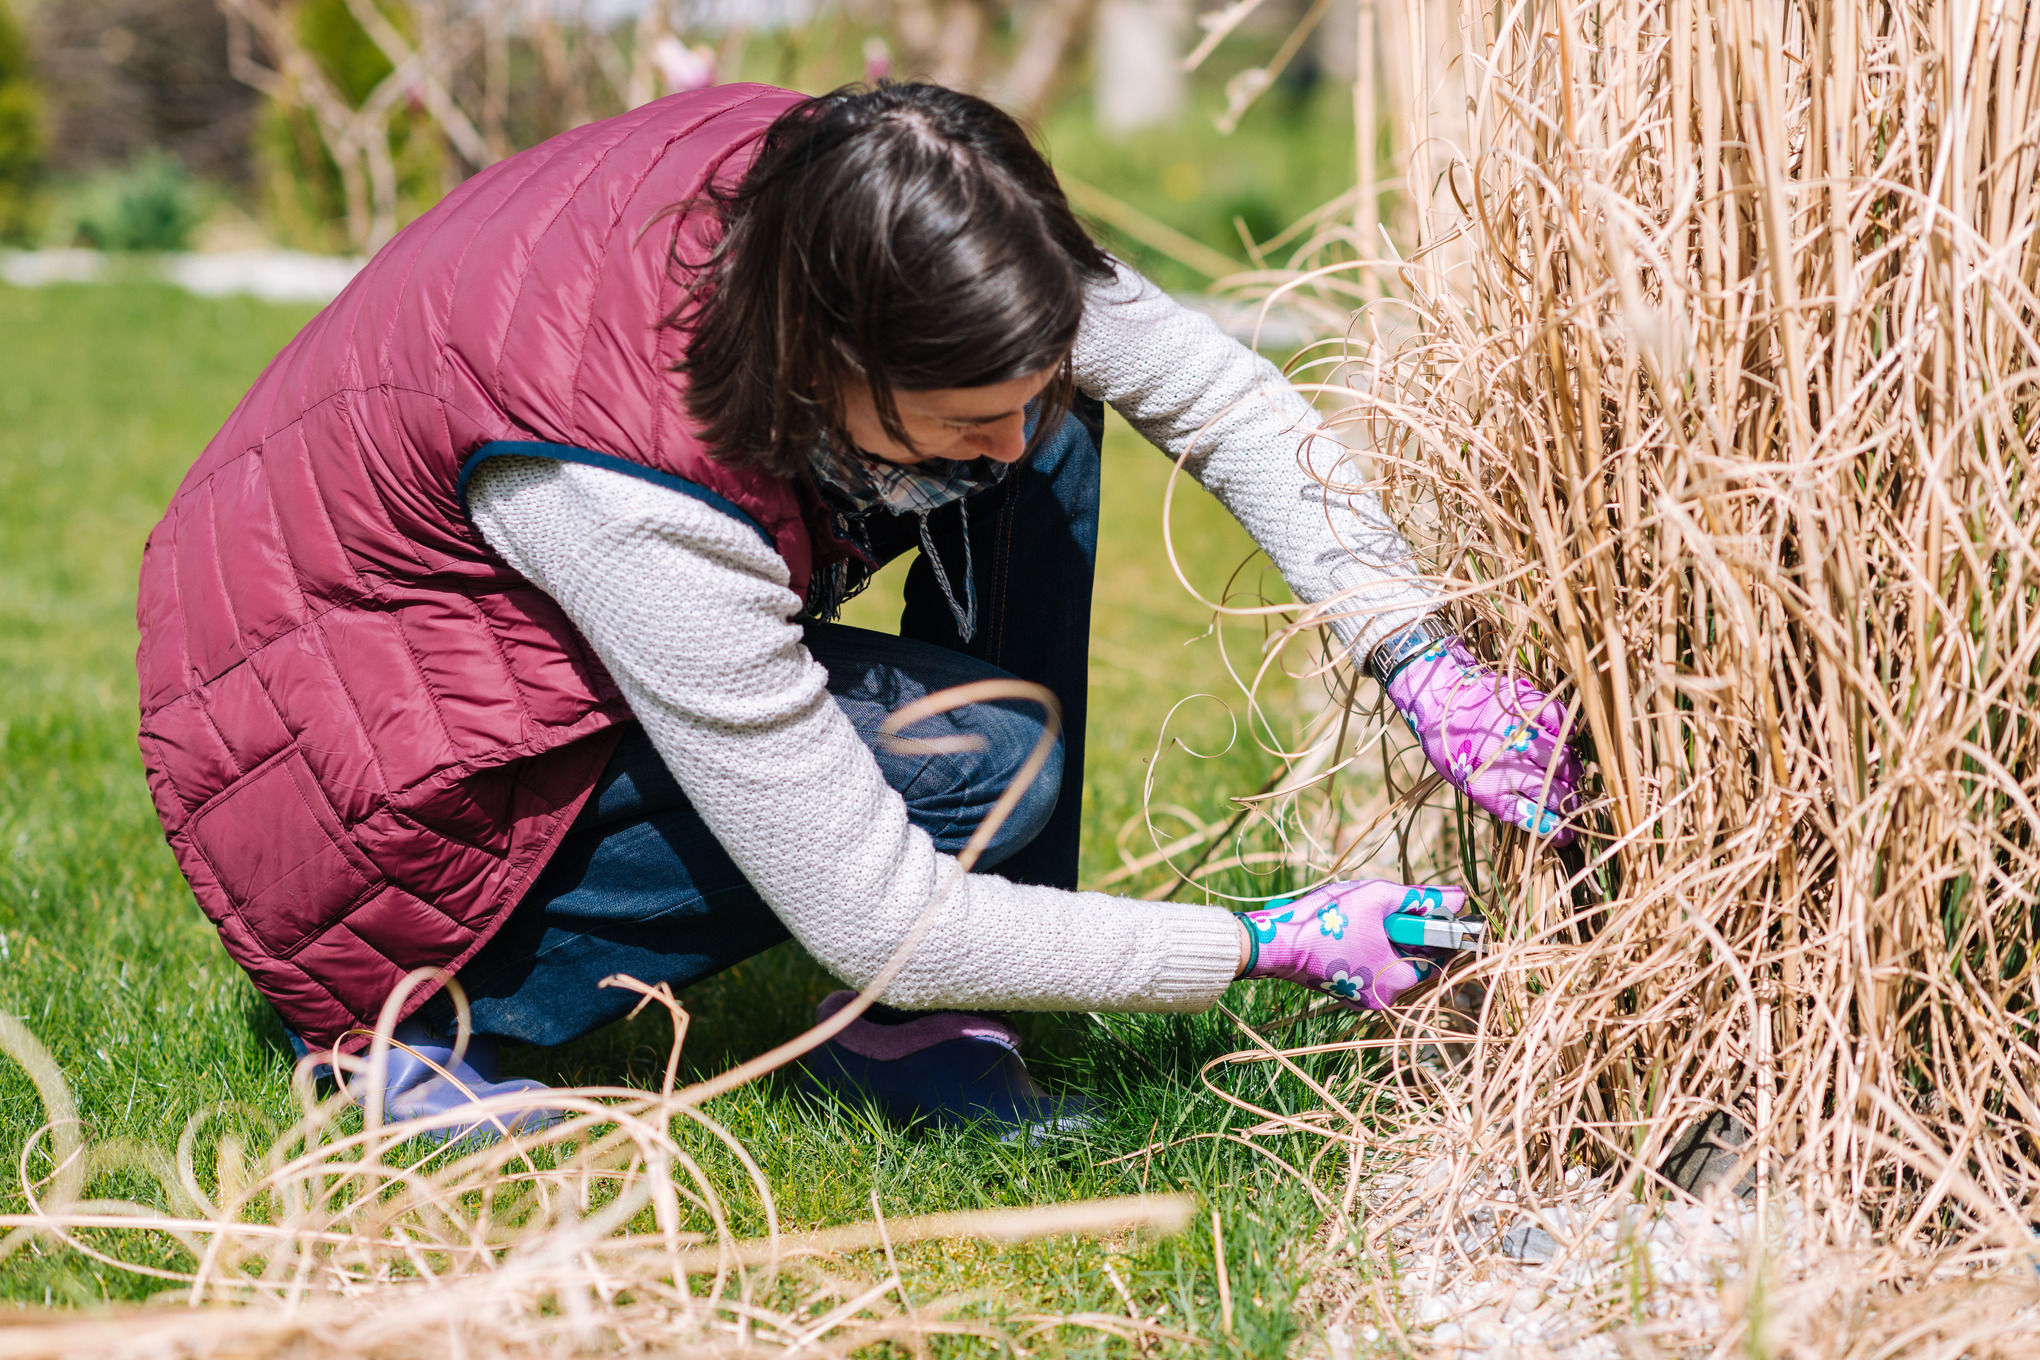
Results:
x,y
412,1089
945,1067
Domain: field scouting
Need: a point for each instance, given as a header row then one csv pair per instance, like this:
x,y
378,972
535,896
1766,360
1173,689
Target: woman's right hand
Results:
x,y
1332,940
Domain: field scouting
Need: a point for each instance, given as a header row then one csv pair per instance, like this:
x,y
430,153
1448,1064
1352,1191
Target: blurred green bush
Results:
x,y
152,203
20,131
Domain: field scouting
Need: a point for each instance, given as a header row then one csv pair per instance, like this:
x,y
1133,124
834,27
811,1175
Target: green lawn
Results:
x,y
107,394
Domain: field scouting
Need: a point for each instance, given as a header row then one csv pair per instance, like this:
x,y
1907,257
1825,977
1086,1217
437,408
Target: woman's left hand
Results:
x,y
1500,741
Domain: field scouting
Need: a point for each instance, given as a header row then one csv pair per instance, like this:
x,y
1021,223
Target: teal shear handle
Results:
x,y
1436,932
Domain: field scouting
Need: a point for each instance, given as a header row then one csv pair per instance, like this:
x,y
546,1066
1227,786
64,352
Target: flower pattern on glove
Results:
x,y
1346,988
1534,819
1333,941
1500,740
1424,902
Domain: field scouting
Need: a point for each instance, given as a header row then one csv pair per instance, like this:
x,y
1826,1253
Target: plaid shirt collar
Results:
x,y
859,483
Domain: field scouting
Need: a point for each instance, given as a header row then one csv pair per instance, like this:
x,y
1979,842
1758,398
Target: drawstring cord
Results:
x,y
966,614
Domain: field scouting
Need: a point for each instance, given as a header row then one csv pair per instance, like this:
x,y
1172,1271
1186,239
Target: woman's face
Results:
x,y
947,422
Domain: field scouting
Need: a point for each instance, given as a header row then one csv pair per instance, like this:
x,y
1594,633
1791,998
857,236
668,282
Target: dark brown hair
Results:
x,y
909,236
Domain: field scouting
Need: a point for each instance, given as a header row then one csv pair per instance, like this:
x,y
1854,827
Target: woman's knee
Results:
x,y
950,767
1009,749
957,790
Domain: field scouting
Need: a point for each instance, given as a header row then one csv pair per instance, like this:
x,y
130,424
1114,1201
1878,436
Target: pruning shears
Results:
x,y
1418,931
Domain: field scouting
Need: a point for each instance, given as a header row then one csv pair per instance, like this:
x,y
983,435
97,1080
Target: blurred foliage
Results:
x,y
1292,153
152,203
121,77
302,195
350,58
20,130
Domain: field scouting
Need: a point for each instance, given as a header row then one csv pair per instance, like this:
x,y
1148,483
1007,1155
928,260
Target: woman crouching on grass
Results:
x,y
492,633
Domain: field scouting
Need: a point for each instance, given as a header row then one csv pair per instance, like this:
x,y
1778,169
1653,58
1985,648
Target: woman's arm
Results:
x,y
690,612
1185,384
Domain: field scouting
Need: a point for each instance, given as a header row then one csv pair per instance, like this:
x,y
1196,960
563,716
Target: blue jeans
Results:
x,y
640,886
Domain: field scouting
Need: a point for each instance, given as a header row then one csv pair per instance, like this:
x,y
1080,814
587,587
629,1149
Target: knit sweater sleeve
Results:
x,y
690,611
1250,437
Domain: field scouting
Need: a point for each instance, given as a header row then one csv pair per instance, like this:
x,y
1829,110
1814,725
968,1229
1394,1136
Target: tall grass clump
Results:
x,y
1707,392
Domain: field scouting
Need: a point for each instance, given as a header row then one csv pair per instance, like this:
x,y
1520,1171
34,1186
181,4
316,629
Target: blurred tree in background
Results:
x,y
380,106
20,130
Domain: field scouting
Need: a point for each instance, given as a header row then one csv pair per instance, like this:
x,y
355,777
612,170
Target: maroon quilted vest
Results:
x,y
365,734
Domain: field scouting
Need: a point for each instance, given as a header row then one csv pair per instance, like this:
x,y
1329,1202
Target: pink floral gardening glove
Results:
x,y
1332,940
1494,738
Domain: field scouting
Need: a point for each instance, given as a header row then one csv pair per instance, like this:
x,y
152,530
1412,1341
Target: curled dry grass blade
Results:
x,y
606,1232
1709,398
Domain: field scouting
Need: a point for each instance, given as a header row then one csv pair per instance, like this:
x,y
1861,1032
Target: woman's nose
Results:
x,y
1005,442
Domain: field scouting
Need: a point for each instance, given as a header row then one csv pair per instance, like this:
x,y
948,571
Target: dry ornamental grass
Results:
x,y
1708,395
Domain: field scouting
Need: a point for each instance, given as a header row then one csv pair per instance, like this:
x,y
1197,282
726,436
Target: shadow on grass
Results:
x,y
1125,1061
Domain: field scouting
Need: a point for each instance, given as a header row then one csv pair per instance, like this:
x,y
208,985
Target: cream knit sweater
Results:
x,y
690,611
